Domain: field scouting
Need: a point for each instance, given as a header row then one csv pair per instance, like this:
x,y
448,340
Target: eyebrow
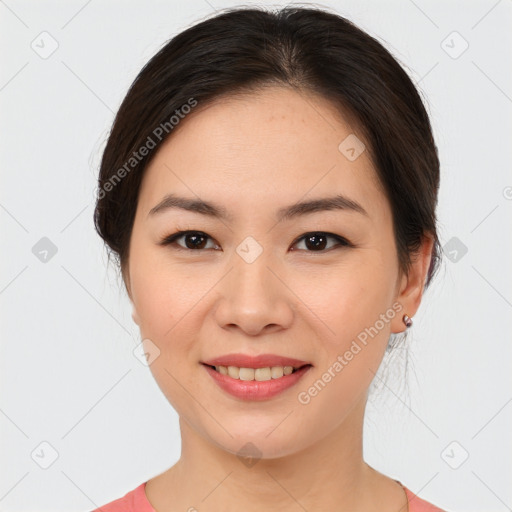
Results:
x,y
337,202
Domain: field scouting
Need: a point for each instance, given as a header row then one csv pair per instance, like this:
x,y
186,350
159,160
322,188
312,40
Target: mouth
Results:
x,y
256,384
257,374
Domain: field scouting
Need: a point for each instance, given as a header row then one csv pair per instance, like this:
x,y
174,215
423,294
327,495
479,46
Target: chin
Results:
x,y
251,447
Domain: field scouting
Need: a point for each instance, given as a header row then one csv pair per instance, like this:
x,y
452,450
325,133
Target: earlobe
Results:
x,y
126,279
412,285
135,316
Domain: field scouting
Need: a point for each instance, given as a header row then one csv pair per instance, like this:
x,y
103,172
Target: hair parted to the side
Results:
x,y
308,49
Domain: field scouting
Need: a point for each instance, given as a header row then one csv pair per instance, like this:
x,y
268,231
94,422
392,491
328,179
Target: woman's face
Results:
x,y
253,284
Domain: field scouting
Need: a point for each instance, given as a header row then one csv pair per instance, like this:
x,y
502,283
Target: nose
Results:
x,y
254,298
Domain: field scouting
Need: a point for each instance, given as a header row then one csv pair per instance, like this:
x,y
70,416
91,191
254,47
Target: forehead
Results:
x,y
261,150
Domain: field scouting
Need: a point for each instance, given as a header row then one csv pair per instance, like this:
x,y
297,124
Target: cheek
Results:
x,y
345,300
154,303
163,293
351,347
170,303
165,303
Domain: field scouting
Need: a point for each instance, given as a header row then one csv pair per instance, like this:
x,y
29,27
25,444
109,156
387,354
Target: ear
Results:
x,y
411,286
135,316
126,279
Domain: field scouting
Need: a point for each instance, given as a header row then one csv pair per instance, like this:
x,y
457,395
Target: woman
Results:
x,y
269,190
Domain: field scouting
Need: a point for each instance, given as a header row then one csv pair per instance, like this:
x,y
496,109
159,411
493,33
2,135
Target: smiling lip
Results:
x,y
261,361
253,389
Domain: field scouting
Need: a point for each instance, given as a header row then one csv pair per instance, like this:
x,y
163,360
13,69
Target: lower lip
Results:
x,y
253,389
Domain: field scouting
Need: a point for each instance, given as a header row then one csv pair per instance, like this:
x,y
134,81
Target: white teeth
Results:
x,y
259,374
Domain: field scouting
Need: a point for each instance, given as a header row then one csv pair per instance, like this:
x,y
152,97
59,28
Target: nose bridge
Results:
x,y
252,296
251,275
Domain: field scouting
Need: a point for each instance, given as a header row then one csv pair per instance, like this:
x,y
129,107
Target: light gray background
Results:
x,y
69,378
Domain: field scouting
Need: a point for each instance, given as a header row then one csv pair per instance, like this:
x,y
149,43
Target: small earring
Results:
x,y
407,321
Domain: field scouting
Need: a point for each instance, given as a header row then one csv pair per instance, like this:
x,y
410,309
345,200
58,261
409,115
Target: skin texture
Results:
x,y
252,155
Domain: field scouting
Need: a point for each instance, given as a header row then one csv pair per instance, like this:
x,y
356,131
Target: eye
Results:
x,y
315,241
194,240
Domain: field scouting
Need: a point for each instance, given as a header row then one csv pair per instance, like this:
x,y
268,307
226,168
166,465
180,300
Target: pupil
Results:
x,y
194,245
320,245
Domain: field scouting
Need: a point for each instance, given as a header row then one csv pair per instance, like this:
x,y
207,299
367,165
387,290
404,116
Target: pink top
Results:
x,y
136,501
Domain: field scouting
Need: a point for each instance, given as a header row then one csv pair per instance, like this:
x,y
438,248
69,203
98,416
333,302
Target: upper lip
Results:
x,y
261,361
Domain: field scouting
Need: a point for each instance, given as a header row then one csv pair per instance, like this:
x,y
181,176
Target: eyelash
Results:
x,y
171,239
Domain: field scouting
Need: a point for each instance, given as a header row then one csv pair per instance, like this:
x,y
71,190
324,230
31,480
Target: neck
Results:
x,y
329,475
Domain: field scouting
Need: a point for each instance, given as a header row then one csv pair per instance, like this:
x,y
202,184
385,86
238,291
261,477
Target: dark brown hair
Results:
x,y
307,49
